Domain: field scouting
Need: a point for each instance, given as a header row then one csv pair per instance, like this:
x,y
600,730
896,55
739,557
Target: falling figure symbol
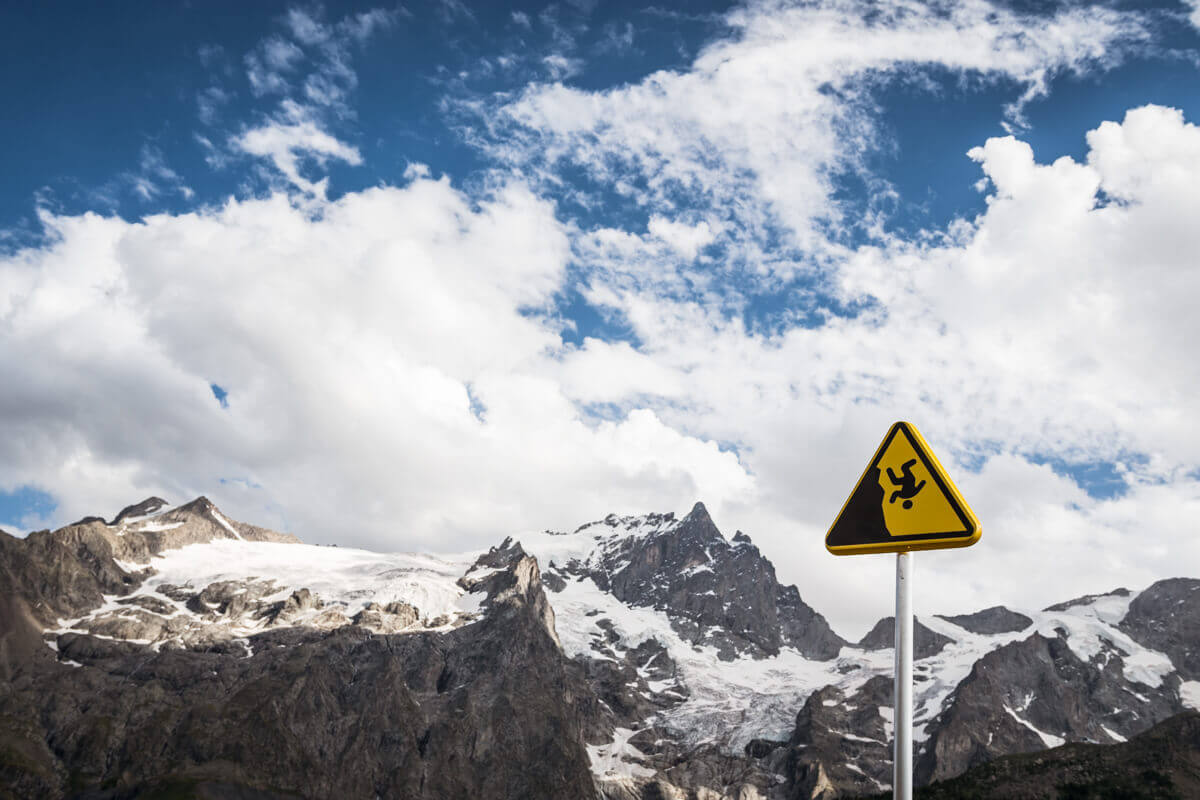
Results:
x,y
907,483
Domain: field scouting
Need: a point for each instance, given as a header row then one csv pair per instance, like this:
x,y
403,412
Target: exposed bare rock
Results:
x,y
996,619
716,592
926,643
1166,617
392,618
147,507
1086,600
148,602
1162,762
510,576
841,745
1033,693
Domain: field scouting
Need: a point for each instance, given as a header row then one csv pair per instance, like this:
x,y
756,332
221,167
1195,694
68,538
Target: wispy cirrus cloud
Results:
x,y
292,137
308,67
751,138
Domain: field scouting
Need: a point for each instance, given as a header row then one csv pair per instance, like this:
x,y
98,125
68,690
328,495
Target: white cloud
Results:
x,y
763,120
606,372
1194,16
350,344
286,142
687,240
312,75
280,54
209,103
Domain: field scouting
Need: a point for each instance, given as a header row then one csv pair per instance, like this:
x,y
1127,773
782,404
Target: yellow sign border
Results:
x,y
943,479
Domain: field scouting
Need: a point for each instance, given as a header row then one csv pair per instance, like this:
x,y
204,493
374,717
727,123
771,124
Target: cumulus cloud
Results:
x,y
687,240
1194,16
383,385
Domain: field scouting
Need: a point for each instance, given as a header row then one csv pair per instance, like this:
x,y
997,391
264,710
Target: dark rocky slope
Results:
x,y
1162,763
484,710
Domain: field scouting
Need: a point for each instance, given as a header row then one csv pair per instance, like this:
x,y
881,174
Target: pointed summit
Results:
x,y
201,505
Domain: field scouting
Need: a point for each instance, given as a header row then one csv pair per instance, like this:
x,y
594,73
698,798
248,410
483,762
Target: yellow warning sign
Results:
x,y
903,501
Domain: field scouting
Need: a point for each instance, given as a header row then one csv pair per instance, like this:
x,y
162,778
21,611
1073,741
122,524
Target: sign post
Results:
x,y
903,502
902,686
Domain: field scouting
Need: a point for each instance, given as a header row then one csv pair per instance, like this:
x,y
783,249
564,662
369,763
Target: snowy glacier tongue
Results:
x,y
341,576
255,582
730,702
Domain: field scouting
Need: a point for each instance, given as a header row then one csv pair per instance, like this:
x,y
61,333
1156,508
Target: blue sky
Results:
x,y
421,277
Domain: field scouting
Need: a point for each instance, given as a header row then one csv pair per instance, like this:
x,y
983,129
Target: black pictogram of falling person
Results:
x,y
907,483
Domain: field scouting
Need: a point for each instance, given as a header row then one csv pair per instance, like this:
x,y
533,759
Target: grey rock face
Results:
x,y
1086,599
390,618
926,643
150,505
1166,617
1163,762
841,745
1031,694
715,592
990,621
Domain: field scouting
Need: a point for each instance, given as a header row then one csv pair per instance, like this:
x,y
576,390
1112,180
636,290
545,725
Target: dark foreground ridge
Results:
x,y
1162,763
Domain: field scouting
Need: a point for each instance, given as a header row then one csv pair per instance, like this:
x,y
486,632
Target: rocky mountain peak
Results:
x,y
506,574
716,593
926,642
151,505
996,619
1166,617
1087,599
201,505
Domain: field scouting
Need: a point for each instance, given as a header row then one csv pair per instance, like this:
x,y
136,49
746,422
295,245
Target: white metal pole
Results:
x,y
902,691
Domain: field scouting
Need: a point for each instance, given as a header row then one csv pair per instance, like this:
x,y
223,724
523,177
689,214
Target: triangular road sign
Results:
x,y
904,501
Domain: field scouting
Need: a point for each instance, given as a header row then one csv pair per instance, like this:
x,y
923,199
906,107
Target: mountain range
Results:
x,y
174,651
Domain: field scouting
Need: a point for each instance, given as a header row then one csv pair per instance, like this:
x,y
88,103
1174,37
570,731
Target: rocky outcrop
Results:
x,y
841,745
1162,762
1086,599
926,643
990,621
1035,693
1166,618
64,573
149,506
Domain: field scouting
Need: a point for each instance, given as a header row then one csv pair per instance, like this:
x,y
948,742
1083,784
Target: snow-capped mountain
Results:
x,y
633,657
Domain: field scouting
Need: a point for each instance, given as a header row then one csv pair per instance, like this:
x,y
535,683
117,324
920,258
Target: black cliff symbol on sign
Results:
x,y
907,483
